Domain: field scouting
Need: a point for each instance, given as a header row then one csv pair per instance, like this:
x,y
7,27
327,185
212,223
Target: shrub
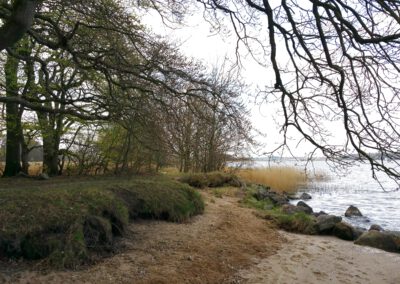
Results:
x,y
213,179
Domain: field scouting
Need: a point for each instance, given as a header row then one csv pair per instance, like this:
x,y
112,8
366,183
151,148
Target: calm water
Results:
x,y
355,186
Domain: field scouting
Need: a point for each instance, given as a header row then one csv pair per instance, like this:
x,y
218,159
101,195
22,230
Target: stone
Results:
x,y
358,231
326,223
276,198
345,231
316,214
375,227
352,211
262,193
305,196
291,209
43,176
307,208
388,241
22,175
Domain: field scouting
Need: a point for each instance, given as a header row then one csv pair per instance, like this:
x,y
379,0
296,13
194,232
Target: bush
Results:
x,y
213,179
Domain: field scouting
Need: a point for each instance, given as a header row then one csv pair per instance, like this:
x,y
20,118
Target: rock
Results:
x,y
388,241
358,231
276,198
316,214
326,223
262,193
375,227
352,211
307,208
305,196
345,231
43,176
291,209
279,199
22,175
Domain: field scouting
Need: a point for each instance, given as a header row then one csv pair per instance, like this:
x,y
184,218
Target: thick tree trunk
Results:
x,y
13,120
50,156
18,24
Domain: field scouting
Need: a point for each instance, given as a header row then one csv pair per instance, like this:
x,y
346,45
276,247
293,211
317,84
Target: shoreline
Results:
x,y
324,259
228,244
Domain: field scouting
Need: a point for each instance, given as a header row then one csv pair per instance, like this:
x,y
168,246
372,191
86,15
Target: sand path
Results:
x,y
228,244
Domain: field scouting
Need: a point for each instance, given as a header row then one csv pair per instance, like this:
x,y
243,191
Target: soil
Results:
x,y
211,248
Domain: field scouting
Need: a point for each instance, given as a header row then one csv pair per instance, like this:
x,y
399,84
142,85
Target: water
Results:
x,y
354,187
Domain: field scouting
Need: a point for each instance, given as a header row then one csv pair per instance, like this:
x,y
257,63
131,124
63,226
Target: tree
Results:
x,y
13,119
18,19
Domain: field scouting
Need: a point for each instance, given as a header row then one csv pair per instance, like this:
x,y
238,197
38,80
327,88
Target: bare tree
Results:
x,y
334,61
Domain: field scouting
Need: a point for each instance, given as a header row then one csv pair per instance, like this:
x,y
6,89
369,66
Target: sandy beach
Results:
x,y
318,259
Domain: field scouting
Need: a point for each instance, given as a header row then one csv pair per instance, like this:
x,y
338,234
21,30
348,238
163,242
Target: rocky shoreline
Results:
x,y
321,223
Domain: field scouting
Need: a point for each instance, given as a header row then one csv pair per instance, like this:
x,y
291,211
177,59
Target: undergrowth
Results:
x,y
213,179
299,222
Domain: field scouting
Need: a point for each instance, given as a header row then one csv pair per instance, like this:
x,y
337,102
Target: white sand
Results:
x,y
316,259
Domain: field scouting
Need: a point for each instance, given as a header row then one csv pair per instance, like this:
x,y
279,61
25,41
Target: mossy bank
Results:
x,y
68,224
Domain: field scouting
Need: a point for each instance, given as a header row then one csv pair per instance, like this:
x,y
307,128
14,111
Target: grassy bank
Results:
x,y
68,223
299,222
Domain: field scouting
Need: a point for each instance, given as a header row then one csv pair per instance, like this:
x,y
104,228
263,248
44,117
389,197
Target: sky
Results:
x,y
198,41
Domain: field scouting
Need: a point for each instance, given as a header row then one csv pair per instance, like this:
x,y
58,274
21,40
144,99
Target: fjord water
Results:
x,y
351,186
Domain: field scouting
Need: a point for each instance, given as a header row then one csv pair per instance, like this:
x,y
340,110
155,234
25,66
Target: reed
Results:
x,y
281,179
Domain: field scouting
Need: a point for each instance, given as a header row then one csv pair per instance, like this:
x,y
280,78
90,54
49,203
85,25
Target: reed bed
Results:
x,y
281,179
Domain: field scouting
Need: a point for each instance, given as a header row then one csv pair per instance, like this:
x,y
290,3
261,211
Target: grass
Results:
x,y
68,223
280,179
298,222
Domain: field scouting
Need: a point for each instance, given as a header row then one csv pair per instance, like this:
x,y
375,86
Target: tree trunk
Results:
x,y
20,21
50,155
13,120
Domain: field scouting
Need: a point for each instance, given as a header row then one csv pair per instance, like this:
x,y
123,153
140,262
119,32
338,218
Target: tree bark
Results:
x,y
13,120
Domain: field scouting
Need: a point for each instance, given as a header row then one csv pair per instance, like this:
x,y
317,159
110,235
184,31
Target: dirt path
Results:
x,y
212,248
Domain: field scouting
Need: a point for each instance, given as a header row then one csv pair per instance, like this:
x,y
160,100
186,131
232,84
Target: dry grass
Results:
x,y
35,168
281,179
